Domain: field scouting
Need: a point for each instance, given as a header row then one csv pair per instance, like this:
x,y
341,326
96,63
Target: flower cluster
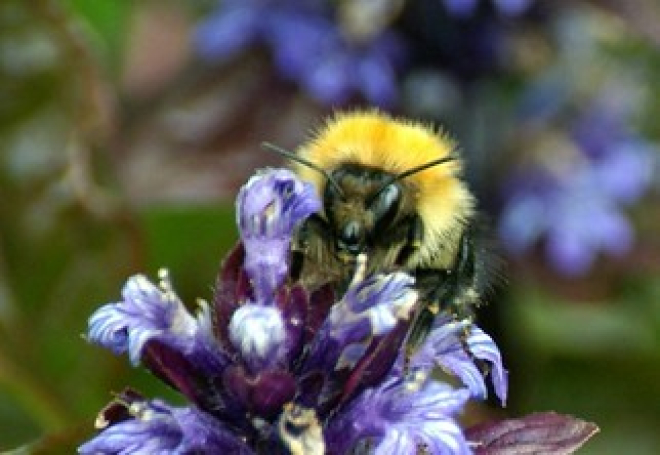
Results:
x,y
339,52
330,61
577,207
272,367
462,8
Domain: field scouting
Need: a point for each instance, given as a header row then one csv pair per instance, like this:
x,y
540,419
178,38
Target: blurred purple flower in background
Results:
x,y
272,367
308,47
463,8
576,206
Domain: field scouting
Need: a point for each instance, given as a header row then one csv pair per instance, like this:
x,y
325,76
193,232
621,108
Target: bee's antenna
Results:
x,y
293,157
414,170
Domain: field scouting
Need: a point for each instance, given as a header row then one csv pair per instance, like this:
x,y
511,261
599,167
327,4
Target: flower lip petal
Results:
x,y
107,328
444,348
145,312
149,312
483,347
400,418
372,306
370,311
156,427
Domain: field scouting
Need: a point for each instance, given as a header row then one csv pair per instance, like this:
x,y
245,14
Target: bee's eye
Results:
x,y
385,205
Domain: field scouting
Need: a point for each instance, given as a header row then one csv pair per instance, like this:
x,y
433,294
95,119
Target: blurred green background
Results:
x,y
121,151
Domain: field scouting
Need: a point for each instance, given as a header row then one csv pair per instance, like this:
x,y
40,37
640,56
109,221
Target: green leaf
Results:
x,y
109,20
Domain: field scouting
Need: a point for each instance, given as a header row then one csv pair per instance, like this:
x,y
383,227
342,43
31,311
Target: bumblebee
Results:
x,y
392,189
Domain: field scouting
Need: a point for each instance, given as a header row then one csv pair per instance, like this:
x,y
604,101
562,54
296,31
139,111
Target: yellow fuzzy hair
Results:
x,y
376,140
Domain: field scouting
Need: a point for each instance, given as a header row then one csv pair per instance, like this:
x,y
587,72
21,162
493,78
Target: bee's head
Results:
x,y
360,203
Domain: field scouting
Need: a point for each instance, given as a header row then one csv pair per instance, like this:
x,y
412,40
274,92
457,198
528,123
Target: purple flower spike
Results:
x,y
155,427
269,206
443,348
149,312
279,368
578,210
402,417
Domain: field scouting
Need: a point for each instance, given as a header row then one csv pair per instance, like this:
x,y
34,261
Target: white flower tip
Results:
x,y
257,331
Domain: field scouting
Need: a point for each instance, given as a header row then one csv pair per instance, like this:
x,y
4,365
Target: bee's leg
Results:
x,y
452,292
457,295
471,281
460,296
428,307
413,232
311,230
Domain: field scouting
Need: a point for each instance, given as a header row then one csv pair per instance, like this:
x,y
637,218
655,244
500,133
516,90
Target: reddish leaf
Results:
x,y
541,433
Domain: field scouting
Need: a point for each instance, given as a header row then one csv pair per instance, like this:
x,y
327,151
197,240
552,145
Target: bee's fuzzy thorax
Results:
x,y
376,140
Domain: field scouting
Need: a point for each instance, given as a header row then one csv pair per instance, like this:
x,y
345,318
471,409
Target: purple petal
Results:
x,y
150,312
612,231
626,171
370,308
443,347
546,432
297,42
159,428
380,299
377,81
228,31
483,347
146,312
363,333
601,125
331,79
401,418
523,222
269,207
568,252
